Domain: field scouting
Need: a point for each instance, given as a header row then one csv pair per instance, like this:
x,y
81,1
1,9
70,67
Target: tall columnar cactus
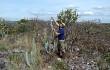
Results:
x,y
46,43
33,52
31,57
27,58
52,34
52,29
47,46
51,24
34,47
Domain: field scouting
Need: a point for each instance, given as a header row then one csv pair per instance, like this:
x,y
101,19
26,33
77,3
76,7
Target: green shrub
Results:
x,y
61,65
3,47
107,57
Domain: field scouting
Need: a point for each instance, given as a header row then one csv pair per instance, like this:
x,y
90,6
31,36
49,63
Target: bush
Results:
x,y
61,65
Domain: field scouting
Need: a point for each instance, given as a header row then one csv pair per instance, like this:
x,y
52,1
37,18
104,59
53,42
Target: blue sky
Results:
x,y
44,9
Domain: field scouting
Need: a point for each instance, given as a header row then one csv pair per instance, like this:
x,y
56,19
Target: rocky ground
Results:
x,y
74,61
83,62
4,60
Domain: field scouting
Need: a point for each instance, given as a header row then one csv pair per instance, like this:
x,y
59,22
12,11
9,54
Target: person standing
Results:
x,y
60,34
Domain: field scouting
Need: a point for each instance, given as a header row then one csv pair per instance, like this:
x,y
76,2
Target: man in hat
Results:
x,y
60,35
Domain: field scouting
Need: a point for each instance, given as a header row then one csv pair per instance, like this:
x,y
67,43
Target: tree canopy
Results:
x,y
67,16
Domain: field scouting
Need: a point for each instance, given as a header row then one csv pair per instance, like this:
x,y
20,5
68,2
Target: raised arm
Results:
x,y
56,32
55,21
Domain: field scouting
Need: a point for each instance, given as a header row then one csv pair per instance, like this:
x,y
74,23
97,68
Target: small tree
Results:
x,y
68,16
23,21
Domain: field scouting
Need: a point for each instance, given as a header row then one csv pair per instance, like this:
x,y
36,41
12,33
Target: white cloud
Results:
x,y
102,8
99,7
87,13
79,13
71,6
39,13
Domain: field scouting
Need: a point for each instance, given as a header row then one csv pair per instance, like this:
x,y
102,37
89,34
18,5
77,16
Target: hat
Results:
x,y
63,24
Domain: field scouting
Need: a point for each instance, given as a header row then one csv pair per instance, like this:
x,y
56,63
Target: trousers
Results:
x,y
61,46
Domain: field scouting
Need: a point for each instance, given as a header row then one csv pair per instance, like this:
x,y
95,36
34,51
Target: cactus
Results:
x,y
34,47
31,57
27,58
46,43
47,46
51,24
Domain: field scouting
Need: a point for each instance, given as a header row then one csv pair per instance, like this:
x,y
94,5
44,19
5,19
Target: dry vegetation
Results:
x,y
82,39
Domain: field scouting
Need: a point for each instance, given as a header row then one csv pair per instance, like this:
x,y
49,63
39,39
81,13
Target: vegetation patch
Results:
x,y
3,47
61,65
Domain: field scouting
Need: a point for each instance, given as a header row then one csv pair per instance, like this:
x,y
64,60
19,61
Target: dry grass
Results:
x,y
85,39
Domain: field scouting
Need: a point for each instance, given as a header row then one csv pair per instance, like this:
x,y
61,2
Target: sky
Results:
x,y
44,9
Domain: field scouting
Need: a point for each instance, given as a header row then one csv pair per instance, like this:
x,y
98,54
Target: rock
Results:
x,y
4,64
59,59
16,51
49,66
82,63
1,54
